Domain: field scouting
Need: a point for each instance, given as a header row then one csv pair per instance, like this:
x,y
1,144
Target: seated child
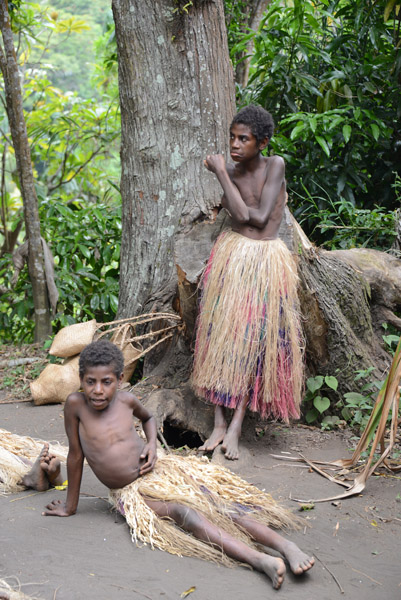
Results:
x,y
224,514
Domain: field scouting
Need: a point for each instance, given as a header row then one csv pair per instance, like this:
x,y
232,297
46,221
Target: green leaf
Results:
x,y
297,130
278,61
331,382
311,415
321,404
85,251
94,302
347,132
389,7
314,383
323,144
375,131
354,397
113,302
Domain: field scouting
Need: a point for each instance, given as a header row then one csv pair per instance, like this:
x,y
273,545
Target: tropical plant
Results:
x,y
329,72
85,241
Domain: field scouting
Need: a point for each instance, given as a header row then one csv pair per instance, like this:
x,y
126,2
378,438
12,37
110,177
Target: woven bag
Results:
x,y
71,340
56,383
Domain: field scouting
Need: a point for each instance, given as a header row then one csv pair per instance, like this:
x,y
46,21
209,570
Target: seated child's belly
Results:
x,y
115,465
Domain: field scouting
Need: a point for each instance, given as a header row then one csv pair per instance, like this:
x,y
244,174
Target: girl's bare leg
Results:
x,y
36,477
299,561
218,433
230,445
193,522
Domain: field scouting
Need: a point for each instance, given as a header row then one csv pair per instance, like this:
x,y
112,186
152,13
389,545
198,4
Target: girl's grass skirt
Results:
x,y
197,483
249,341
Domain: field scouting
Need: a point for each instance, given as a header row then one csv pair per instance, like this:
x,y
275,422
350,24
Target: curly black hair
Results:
x,y
101,353
259,121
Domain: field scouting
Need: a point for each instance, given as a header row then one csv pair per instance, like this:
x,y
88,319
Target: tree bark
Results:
x,y
177,101
11,75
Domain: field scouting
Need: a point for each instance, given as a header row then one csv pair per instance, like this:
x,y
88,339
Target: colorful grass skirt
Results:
x,y
249,339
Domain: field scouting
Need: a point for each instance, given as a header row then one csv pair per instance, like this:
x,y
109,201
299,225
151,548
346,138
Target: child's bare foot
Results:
x,y
215,439
274,568
36,478
218,433
51,466
299,561
230,445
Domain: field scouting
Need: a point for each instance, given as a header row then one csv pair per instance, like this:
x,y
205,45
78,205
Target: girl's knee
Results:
x,y
184,516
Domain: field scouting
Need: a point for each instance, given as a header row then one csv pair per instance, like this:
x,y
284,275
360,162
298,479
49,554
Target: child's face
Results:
x,y
243,144
99,385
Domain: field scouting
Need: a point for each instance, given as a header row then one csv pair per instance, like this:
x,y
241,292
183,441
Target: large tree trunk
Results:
x,y
177,101
11,76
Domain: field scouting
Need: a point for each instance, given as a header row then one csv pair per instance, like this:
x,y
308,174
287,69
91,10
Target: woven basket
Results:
x,y
56,383
71,340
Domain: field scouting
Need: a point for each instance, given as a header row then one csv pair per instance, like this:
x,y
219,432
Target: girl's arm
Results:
x,y
75,461
258,217
150,430
232,199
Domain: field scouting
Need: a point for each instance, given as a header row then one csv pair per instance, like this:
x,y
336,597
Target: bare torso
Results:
x,y
250,185
110,443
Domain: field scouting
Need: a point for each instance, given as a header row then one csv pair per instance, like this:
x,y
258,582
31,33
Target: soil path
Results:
x,y
91,556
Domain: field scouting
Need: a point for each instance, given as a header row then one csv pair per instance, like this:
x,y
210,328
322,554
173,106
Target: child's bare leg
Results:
x,y
194,522
230,445
218,433
299,561
51,466
36,478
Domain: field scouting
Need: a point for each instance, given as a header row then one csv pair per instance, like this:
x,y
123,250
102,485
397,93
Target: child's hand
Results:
x,y
56,508
214,162
149,453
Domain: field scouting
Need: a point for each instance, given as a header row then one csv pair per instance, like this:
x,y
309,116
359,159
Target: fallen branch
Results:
x,y
331,573
15,362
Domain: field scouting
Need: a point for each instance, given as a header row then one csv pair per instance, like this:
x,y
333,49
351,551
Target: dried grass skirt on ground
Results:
x,y
249,339
210,489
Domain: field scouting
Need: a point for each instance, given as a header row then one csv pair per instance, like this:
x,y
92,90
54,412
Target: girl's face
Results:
x,y
243,144
99,385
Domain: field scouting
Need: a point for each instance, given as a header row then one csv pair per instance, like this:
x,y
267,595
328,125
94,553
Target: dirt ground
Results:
x,y
90,555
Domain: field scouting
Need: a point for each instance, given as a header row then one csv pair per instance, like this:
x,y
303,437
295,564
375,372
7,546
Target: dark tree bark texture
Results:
x,y
177,101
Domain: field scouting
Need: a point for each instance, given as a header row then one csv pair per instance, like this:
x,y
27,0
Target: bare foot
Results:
x,y
218,433
51,466
299,561
36,478
215,439
230,445
274,568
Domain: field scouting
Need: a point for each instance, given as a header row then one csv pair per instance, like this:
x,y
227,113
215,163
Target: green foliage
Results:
x,y
356,407
85,241
329,72
353,408
74,148
315,402
341,225
81,24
